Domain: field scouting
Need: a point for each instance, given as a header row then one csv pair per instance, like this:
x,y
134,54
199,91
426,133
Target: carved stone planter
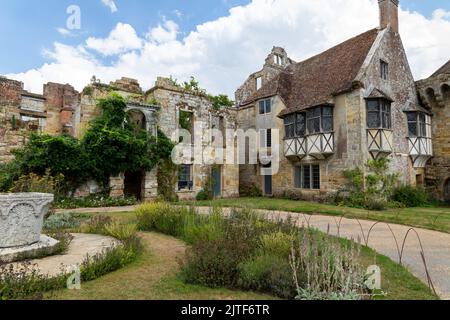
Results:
x,y
21,218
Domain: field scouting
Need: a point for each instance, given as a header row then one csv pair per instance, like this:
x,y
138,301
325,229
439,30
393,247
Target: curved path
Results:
x,y
387,239
81,246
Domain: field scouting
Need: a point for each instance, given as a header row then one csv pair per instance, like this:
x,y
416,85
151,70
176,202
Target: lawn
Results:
x,y
433,218
154,276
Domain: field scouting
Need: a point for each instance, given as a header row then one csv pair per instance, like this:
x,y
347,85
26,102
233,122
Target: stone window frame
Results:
x,y
265,106
185,177
266,138
384,69
258,82
307,177
383,112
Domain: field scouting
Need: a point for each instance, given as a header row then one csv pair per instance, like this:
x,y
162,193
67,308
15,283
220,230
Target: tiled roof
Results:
x,y
316,80
444,69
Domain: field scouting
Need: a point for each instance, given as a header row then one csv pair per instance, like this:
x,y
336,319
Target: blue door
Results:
x,y
268,185
217,182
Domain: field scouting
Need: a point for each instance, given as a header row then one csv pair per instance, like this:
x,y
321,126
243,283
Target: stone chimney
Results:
x,y
389,14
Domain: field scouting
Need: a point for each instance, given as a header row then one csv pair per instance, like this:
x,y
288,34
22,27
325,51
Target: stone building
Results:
x,y
307,121
335,111
61,109
22,112
434,93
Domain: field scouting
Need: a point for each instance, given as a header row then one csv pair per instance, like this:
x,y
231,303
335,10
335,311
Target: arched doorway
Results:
x,y
134,184
138,119
447,190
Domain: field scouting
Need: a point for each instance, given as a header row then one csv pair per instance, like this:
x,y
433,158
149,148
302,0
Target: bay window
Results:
x,y
379,114
418,125
312,121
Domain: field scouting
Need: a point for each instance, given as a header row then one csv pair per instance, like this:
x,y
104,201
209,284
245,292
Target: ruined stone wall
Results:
x,y
172,99
11,134
435,94
270,70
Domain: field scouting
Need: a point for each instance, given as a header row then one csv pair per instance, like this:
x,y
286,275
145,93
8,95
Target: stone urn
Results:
x,y
22,217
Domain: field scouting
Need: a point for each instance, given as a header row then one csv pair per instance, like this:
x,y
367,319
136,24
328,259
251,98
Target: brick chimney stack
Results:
x,y
389,14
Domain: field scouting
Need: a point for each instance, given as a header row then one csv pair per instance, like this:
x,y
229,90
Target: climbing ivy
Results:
x,y
111,145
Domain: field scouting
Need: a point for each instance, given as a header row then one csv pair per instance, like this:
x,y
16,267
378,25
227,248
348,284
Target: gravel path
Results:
x,y
383,238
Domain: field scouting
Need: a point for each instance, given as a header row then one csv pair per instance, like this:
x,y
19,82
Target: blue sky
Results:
x,y
31,26
231,44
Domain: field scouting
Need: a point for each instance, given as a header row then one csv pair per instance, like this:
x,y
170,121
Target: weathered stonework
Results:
x,y
21,218
435,94
351,138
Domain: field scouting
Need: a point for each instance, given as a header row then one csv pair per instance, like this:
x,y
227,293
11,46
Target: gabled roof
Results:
x,y
316,80
444,69
377,93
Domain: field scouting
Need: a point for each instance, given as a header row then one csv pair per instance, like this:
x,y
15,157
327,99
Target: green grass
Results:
x,y
433,218
154,277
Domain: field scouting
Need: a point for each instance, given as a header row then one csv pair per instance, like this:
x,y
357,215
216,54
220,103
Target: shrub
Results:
x,y
202,196
120,231
204,228
213,263
268,273
329,269
35,183
111,259
96,225
252,191
410,196
61,222
161,217
372,190
277,243
94,201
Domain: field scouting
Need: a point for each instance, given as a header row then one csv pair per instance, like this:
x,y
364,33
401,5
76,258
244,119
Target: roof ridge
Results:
x,y
336,46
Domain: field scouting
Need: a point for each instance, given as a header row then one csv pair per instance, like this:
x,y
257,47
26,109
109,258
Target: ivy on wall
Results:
x,y
111,145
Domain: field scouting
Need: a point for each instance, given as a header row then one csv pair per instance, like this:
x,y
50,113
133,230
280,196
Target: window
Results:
x,y
307,177
300,125
185,178
265,106
277,59
384,67
315,120
379,114
258,83
418,125
290,127
266,138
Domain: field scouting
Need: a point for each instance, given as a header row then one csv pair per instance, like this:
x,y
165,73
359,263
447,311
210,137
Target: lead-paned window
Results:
x,y
379,114
307,177
185,177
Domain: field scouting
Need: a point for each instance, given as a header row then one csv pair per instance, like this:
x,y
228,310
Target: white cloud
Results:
x,y
122,38
223,52
110,4
163,33
64,32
